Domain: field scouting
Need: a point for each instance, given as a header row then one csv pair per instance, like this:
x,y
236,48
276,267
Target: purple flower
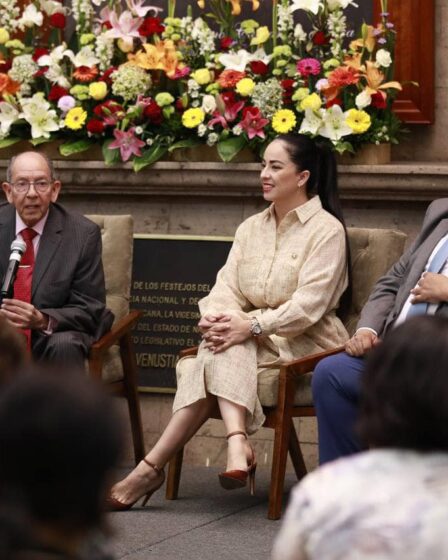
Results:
x,y
382,41
66,102
390,25
384,14
127,143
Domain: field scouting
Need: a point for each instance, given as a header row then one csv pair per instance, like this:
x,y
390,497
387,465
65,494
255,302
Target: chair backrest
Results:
x,y
373,252
117,238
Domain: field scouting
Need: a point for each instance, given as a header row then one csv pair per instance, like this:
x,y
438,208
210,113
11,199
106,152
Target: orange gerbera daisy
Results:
x,y
8,86
85,73
343,76
229,78
236,5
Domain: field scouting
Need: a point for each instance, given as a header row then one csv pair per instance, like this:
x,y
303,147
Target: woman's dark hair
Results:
x,y
404,398
320,161
60,436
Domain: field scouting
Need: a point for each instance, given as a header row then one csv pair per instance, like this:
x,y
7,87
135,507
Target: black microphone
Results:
x,y
18,247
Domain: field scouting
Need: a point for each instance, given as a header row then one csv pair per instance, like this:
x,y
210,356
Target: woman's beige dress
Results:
x,y
291,279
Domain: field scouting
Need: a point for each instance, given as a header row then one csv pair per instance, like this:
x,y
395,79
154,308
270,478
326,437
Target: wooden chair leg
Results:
x,y
130,383
280,455
295,453
173,478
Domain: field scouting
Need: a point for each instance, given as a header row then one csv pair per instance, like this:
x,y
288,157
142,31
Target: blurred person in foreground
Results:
x,y
59,440
390,502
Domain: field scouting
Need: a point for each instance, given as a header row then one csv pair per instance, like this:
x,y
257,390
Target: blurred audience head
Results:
x,y
60,436
13,353
404,400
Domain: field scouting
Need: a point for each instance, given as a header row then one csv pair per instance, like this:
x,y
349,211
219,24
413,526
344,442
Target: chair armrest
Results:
x,y
308,363
189,352
118,330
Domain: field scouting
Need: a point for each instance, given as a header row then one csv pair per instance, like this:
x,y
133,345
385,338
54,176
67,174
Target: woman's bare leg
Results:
x,y
182,426
234,417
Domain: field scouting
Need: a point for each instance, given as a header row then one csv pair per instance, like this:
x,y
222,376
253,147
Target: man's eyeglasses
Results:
x,y
23,186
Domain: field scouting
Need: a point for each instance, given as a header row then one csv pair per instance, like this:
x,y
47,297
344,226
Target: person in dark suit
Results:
x,y
59,299
417,284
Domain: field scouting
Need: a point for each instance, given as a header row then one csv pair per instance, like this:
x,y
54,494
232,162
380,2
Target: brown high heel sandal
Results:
x,y
115,505
238,478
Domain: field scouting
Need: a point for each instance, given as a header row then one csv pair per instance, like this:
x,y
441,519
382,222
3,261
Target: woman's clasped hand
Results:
x,y
223,330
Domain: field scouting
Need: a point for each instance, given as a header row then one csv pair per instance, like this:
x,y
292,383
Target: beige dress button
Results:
x,y
294,255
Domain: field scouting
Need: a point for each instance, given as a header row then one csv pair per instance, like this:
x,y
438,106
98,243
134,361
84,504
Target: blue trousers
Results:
x,y
336,386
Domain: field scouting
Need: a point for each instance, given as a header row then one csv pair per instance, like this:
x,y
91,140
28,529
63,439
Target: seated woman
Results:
x,y
389,503
274,300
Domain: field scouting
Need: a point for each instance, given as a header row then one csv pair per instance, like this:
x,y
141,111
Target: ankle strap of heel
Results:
x,y
155,467
236,434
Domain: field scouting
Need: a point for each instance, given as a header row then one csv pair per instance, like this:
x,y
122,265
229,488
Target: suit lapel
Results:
x,y
422,255
51,238
7,235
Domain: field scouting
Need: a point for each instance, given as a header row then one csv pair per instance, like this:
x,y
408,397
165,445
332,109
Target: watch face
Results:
x,y
256,329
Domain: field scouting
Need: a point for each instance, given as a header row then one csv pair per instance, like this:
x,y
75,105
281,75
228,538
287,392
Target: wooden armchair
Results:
x,y
286,393
112,358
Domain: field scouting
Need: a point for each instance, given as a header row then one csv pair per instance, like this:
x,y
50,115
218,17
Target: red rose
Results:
x,y
378,101
335,101
287,86
225,43
57,20
56,92
259,67
151,26
107,24
38,52
153,113
319,38
95,126
179,104
5,65
105,77
253,111
228,97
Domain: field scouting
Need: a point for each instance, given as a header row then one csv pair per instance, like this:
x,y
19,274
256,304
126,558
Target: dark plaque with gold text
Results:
x,y
170,275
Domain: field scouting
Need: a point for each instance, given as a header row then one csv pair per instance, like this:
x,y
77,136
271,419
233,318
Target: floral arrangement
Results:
x,y
142,85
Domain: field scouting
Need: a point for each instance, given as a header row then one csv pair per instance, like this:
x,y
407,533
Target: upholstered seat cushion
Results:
x,y
117,238
373,252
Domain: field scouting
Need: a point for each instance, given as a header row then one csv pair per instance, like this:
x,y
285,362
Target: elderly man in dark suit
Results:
x,y
59,293
416,284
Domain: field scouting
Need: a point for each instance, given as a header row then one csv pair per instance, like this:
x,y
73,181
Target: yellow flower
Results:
x,y
300,94
98,90
236,5
4,36
283,121
358,121
75,118
312,102
202,76
261,36
193,117
245,87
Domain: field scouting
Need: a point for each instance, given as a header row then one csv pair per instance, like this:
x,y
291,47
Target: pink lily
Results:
x,y
232,110
125,26
136,7
127,142
217,119
253,123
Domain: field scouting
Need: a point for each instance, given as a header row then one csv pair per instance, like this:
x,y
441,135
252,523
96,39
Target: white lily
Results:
x,y
31,17
51,7
236,61
56,75
334,125
307,5
363,99
55,56
340,4
85,57
312,122
125,26
36,111
260,54
8,115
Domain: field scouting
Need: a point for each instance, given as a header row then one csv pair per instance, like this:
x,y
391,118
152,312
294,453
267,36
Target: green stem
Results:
x,y
274,23
171,8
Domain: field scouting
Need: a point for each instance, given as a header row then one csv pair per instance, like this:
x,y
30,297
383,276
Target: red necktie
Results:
x,y
24,279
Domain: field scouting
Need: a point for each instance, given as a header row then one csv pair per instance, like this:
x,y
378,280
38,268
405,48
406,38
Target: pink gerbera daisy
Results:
x,y
308,67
